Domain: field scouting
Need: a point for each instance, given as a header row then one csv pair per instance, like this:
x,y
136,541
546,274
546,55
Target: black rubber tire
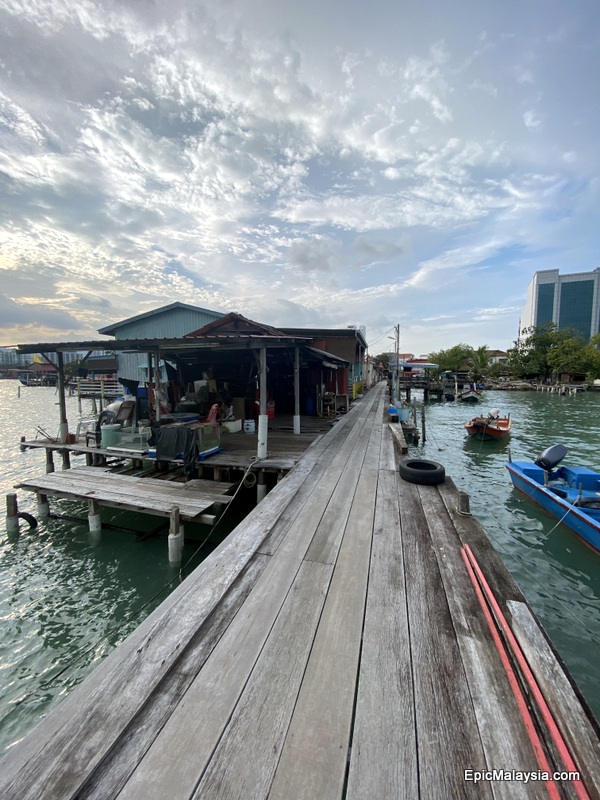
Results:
x,y
29,518
419,470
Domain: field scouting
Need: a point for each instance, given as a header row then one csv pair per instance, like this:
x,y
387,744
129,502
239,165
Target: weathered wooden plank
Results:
x,y
120,496
124,484
243,763
503,733
383,760
340,452
471,533
372,455
581,736
448,737
314,757
398,435
154,481
112,773
76,737
196,726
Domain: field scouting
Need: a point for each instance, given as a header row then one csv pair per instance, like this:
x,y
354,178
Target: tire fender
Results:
x,y
29,518
422,471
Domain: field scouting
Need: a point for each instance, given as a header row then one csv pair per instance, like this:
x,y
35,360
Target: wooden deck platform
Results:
x,y
238,449
144,495
333,646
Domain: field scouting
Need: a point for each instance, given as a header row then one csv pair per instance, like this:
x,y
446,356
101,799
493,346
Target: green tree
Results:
x,y
544,352
454,359
479,362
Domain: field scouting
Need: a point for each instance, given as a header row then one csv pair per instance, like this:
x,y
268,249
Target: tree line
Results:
x,y
541,353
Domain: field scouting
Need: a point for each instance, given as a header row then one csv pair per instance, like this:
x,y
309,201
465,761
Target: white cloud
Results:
x,y
291,162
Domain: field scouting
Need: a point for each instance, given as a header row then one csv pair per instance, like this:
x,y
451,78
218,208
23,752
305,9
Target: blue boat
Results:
x,y
571,494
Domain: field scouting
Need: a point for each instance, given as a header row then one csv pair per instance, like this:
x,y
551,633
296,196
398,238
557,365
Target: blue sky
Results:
x,y
323,163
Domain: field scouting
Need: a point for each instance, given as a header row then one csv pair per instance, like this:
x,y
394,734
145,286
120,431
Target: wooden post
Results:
x,y
49,461
64,425
261,486
263,420
42,504
464,506
66,459
12,511
296,390
94,519
175,537
423,422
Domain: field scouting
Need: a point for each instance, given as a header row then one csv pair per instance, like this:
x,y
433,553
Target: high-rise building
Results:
x,y
569,301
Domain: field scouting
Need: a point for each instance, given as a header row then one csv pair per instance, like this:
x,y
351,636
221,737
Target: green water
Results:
x,y
557,573
66,601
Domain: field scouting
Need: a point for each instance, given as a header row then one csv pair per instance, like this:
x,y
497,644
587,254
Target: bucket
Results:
x,y
110,435
249,426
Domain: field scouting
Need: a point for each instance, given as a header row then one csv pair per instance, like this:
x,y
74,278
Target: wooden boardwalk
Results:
x,y
334,646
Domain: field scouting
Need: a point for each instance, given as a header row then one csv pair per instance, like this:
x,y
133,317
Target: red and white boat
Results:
x,y
492,426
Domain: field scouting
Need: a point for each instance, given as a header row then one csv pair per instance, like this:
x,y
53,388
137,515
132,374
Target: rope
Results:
x,y
568,511
245,476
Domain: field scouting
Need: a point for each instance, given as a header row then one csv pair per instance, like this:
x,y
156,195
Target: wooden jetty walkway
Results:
x,y
355,637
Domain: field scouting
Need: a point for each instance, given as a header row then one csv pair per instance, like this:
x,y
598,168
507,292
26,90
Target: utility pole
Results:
x,y
397,338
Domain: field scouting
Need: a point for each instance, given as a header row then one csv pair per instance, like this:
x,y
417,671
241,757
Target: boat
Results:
x,y
570,494
469,394
493,426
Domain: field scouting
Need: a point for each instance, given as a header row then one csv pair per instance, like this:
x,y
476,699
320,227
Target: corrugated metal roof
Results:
x,y
323,356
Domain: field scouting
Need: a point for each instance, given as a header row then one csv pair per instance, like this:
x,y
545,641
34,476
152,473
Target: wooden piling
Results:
x,y
66,459
175,542
261,487
94,519
12,512
43,504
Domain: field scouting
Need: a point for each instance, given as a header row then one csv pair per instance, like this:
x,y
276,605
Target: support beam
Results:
x,y
263,420
175,537
261,486
296,390
94,519
49,461
43,505
64,425
12,511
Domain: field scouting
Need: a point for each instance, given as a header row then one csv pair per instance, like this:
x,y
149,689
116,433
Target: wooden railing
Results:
x,y
85,387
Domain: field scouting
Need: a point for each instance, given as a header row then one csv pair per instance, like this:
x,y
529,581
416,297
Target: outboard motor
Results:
x,y
551,457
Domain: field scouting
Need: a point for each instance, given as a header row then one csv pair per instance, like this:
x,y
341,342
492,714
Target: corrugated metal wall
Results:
x,y
167,324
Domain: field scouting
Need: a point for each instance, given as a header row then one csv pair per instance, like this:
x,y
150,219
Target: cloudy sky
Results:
x,y
330,162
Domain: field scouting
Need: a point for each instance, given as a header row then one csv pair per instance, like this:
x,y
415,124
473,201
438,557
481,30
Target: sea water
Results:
x,y
557,573
66,600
